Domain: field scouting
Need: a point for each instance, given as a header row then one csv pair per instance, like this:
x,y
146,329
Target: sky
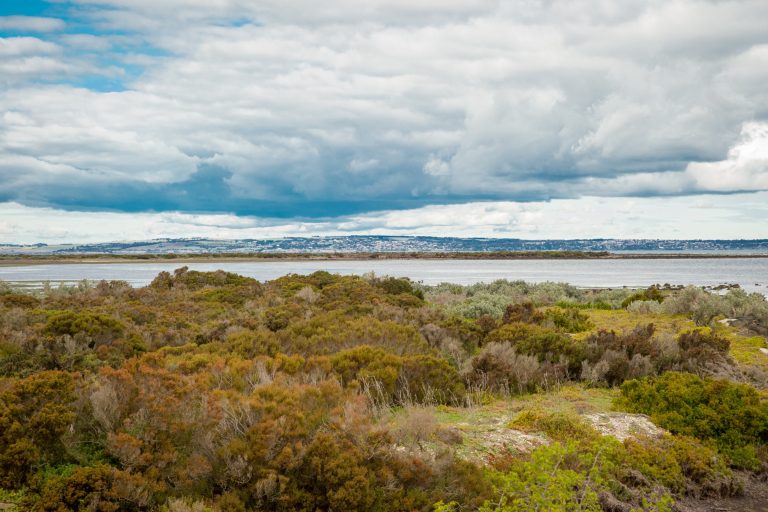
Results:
x,y
137,119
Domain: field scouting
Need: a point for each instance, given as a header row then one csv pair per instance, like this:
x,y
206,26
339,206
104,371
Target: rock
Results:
x,y
635,478
609,503
481,441
623,425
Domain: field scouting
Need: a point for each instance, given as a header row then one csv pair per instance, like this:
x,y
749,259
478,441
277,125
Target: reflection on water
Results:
x,y
750,273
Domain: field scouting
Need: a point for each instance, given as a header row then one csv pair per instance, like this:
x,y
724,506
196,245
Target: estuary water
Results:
x,y
750,273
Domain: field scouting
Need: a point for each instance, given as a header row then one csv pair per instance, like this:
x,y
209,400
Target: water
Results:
x,y
750,273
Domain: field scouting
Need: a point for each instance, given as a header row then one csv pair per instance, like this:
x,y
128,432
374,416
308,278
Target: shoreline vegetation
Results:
x,y
215,392
14,259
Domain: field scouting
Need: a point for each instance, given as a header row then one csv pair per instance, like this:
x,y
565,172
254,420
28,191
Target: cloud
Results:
x,y
436,166
30,24
11,47
746,167
723,217
301,109
24,59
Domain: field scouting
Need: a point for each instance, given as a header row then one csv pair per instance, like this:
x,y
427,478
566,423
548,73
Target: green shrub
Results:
x,y
397,286
250,344
18,300
650,294
95,326
681,464
85,488
403,378
533,340
567,320
35,412
279,317
564,320
557,478
557,425
195,280
731,416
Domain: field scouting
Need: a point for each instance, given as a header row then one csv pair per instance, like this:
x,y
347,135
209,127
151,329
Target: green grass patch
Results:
x,y
747,350
622,320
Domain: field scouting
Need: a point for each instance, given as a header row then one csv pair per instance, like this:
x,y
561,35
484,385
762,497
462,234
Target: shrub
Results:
x,y
18,300
545,344
86,488
279,317
416,425
332,332
612,358
395,286
499,367
650,294
194,280
404,378
481,304
564,320
250,344
681,464
699,340
704,352
367,362
554,479
567,320
645,307
731,416
235,295
96,327
34,414
701,306
430,378
522,313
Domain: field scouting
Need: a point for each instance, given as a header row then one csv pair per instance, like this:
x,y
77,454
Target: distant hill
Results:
x,y
358,244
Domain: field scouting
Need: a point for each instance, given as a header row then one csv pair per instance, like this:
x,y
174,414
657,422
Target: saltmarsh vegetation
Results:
x,y
215,392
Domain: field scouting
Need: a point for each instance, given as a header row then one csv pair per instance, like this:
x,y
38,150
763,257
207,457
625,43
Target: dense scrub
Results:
x,y
212,391
730,416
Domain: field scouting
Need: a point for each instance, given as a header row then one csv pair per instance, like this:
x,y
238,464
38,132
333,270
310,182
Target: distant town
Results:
x,y
389,244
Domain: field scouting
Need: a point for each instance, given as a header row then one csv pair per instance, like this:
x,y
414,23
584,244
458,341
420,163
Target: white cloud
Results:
x,y
20,46
31,24
87,42
436,167
746,167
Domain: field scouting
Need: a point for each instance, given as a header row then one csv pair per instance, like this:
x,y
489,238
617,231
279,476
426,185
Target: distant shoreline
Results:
x,y
18,260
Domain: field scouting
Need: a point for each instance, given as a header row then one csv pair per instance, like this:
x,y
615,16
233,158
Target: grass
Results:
x,y
485,428
571,398
622,320
745,350
10,498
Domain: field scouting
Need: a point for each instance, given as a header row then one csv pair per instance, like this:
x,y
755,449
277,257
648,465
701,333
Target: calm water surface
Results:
x,y
750,273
